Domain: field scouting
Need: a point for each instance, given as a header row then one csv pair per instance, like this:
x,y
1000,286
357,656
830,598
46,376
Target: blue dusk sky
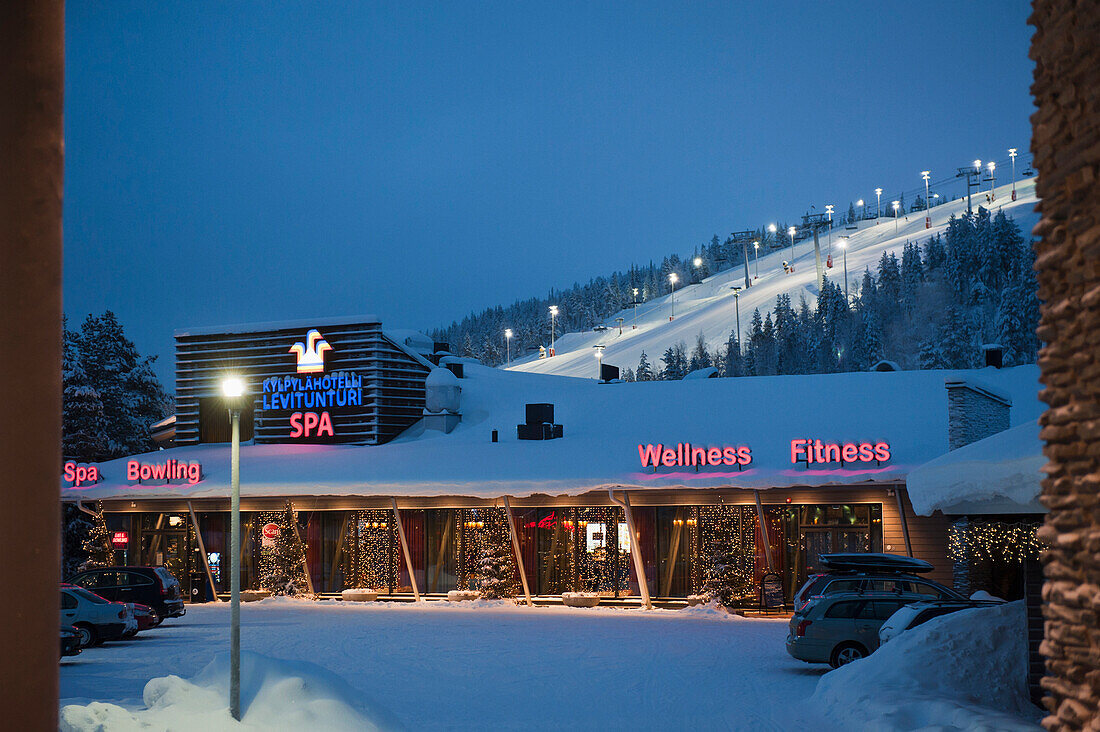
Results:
x,y
230,162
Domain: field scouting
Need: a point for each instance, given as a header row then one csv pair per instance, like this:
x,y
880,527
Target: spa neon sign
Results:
x,y
78,475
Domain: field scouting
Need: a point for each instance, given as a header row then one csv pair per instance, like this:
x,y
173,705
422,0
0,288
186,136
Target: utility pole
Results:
x,y
1012,154
737,308
817,260
743,238
927,217
969,174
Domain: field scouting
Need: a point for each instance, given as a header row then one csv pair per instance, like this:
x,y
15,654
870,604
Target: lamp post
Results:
x,y
698,262
772,230
635,327
927,217
599,362
672,279
896,204
791,231
878,204
756,249
844,248
234,393
1012,154
992,181
553,315
737,309
862,209
508,344
829,243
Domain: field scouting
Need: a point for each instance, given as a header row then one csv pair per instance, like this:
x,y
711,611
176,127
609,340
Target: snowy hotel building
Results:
x,y
401,461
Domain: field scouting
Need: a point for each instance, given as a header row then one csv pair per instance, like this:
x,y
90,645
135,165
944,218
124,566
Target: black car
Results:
x,y
152,586
70,641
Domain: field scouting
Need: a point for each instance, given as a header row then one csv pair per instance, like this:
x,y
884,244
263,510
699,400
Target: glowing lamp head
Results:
x,y
1012,152
977,164
924,174
507,332
878,191
791,231
635,292
859,202
992,165
232,387
843,242
771,228
698,261
756,245
553,309
895,204
672,277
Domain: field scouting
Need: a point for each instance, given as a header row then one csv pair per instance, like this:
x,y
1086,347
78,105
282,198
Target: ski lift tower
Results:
x,y
744,238
815,222
973,177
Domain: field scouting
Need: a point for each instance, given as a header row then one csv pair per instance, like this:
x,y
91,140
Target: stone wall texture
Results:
x,y
973,414
1066,144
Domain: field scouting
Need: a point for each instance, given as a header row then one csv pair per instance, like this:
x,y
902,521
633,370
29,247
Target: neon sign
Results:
x,y
171,470
816,451
80,474
120,539
311,353
310,423
687,455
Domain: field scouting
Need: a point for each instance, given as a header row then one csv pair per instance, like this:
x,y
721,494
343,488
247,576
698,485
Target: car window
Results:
x,y
930,591
165,575
885,608
890,585
844,609
932,613
68,602
844,585
135,579
108,580
89,596
87,580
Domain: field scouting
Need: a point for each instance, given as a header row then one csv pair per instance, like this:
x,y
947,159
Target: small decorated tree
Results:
x,y
98,544
283,565
725,579
496,567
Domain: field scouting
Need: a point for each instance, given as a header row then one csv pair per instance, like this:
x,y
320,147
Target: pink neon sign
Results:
x,y
687,455
816,451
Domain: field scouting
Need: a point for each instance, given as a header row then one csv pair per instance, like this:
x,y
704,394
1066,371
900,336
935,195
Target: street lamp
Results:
x,y
927,217
863,209
829,210
553,315
737,307
791,231
233,391
508,343
895,204
992,181
635,327
672,279
771,230
1012,154
756,248
698,262
844,248
878,204
599,362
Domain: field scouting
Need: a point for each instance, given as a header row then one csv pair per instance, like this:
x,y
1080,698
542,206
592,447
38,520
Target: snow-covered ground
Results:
x,y
468,666
708,307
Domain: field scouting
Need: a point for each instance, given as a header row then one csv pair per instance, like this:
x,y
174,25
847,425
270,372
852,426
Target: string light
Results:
x,y
993,541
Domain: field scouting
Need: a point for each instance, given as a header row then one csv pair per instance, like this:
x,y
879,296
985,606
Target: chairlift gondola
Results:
x,y
1028,172
829,261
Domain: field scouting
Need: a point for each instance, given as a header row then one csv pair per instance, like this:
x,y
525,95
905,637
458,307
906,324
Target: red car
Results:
x,y
145,616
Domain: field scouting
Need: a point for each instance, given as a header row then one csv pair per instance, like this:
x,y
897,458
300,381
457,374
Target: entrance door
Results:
x,y
169,549
818,541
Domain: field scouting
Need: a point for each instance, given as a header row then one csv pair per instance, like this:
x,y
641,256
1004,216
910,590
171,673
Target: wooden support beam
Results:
x,y
339,550
516,551
764,529
904,521
635,548
674,551
405,549
202,551
305,559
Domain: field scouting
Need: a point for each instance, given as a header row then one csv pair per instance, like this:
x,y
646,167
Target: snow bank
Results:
x,y
966,670
275,695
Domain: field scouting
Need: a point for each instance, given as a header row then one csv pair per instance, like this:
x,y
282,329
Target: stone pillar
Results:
x,y
1066,144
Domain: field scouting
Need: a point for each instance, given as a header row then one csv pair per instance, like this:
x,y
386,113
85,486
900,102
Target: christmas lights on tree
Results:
x,y
98,544
496,568
372,550
282,565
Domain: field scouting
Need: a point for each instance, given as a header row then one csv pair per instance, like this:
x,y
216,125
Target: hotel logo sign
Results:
x,y
311,353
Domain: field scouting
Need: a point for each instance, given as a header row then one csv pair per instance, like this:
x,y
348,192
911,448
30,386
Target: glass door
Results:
x,y
816,541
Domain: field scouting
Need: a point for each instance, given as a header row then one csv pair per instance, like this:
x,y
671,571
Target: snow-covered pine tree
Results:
x,y
97,547
628,375
84,426
283,565
700,357
496,568
75,530
645,370
724,579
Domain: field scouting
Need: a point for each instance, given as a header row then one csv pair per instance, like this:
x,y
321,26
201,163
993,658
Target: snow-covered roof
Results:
x,y
604,424
999,474
277,325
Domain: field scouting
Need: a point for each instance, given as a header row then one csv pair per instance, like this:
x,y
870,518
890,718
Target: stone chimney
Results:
x,y
974,412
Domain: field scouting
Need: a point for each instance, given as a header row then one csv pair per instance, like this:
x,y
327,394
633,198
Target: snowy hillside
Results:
x,y
708,307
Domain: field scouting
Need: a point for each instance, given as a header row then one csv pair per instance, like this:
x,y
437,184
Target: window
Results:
x,y
89,596
930,591
845,585
133,579
885,608
68,602
845,609
890,585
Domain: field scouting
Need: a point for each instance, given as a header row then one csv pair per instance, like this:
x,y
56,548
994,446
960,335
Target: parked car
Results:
x,y
918,613
838,629
146,617
95,618
70,641
873,573
152,586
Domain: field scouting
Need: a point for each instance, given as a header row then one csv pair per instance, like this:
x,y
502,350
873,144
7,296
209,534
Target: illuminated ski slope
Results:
x,y
708,307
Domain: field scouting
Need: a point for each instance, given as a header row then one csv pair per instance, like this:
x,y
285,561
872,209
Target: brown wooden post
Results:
x,y
405,550
1066,144
202,551
515,550
32,64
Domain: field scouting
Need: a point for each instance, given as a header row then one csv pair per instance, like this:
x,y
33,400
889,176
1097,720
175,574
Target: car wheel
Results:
x,y
846,653
88,636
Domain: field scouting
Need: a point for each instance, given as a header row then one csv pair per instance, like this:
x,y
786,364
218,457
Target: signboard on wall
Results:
x,y
120,539
269,533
